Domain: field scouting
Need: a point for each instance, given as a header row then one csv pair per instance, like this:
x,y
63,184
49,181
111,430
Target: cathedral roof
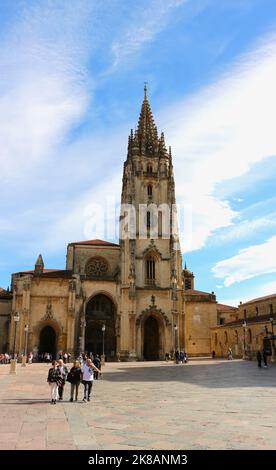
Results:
x,y
45,270
94,243
196,292
198,295
53,273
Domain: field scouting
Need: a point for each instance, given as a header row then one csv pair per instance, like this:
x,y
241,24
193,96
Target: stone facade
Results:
x,y
130,300
253,328
5,311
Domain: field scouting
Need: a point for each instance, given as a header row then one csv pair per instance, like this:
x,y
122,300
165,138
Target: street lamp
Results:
x,y
16,319
82,337
24,358
244,341
175,327
103,357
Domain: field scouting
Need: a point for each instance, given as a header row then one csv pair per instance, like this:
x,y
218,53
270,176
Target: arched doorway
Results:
x,y
48,341
100,311
151,339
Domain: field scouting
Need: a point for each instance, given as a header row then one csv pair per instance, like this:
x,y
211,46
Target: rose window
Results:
x,y
96,267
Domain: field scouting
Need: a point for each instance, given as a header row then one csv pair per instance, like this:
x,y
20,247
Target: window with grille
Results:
x,y
148,220
188,284
150,270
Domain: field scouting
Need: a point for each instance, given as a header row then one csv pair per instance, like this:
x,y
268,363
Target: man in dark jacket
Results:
x,y
97,363
259,358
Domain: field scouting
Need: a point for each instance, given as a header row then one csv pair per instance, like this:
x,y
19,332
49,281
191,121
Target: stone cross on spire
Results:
x,y
145,89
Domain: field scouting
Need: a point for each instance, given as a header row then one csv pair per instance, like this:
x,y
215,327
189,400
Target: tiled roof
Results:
x,y
53,273
226,308
260,299
197,292
44,270
95,243
5,294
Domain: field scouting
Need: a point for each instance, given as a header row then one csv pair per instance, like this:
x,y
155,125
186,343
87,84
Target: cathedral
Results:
x,y
129,301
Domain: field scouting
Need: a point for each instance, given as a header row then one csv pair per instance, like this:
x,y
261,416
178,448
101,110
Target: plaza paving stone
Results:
x,y
205,404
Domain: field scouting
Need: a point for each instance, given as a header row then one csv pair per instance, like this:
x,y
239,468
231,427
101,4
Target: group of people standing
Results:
x,y
58,375
178,357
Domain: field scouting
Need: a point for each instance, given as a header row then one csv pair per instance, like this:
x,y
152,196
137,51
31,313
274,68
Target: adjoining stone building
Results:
x,y
252,329
136,289
5,314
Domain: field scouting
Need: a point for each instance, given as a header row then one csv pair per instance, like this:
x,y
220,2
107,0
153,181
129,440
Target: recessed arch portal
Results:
x,y
100,310
48,341
151,339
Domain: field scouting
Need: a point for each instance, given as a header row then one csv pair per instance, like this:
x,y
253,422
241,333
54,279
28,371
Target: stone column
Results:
x,y
132,332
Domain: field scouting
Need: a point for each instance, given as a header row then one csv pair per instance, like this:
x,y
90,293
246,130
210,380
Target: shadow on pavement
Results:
x,y
226,374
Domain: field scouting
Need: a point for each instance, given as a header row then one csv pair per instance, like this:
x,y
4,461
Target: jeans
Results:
x,y
73,388
87,388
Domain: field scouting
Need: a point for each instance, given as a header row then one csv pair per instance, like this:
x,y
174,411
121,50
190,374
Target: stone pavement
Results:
x,y
205,404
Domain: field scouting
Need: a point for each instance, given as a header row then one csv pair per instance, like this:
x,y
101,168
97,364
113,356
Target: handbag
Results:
x,y
70,377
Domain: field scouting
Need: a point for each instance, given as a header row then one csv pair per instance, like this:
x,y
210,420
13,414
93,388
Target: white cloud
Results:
x,y
219,133
248,263
246,228
43,84
215,138
267,289
93,215
259,290
146,23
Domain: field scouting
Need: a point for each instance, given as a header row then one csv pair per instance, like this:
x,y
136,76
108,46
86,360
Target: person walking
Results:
x,y
97,363
75,378
230,354
265,358
87,378
259,358
176,356
63,371
54,379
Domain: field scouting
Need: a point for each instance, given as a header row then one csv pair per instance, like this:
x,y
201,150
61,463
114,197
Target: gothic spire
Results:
x,y
147,130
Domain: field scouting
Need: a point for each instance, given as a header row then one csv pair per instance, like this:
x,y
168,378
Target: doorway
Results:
x,y
100,311
151,339
48,341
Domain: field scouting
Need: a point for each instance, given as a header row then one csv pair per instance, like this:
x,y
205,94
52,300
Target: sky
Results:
x,y
71,87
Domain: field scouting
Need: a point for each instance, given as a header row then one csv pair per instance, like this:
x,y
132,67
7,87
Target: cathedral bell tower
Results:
x,y
150,251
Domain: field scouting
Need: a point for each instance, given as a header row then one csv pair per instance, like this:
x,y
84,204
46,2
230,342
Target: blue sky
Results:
x,y
71,86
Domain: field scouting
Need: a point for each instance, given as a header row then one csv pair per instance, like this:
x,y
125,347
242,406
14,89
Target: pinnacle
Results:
x,y
145,140
39,261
